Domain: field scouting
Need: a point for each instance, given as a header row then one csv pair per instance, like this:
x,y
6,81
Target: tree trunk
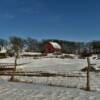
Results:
x,y
14,70
88,75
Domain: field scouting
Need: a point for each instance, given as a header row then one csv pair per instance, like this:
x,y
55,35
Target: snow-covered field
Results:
x,y
64,88
22,91
48,64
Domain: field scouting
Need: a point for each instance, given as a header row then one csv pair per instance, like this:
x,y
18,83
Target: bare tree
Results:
x,y
3,42
32,45
17,45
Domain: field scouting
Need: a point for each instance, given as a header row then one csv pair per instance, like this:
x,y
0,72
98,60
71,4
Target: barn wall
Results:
x,y
48,48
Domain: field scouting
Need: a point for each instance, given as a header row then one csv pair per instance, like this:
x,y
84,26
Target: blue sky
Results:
x,y
77,20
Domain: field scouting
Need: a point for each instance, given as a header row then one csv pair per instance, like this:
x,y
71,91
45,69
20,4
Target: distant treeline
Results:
x,y
33,45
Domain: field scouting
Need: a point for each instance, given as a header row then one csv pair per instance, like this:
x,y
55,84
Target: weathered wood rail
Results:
x,y
38,74
6,67
32,73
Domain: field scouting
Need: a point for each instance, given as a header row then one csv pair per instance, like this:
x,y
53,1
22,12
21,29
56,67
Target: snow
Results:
x,y
3,50
31,53
64,88
55,45
22,91
48,64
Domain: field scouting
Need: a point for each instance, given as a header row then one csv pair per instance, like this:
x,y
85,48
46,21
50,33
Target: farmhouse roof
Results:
x,y
55,45
3,49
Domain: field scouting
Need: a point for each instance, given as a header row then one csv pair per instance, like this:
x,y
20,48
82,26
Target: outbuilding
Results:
x,y
52,47
3,52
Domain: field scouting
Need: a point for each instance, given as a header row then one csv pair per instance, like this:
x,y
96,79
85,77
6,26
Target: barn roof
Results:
x,y
55,45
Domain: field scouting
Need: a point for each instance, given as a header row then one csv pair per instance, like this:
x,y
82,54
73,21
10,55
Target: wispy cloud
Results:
x,y
33,7
26,10
7,16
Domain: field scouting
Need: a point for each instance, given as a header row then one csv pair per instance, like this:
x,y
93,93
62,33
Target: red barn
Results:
x,y
52,47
